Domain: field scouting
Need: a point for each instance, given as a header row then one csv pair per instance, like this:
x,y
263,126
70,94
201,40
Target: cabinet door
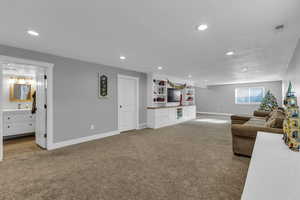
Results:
x,y
172,115
162,117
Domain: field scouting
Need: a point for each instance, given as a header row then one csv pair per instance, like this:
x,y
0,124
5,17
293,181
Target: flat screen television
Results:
x,y
174,95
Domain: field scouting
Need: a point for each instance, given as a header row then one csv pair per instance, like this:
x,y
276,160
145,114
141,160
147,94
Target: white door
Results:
x,y
41,112
128,103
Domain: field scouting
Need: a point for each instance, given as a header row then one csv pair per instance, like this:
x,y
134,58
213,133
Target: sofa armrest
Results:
x,y
239,119
258,113
251,131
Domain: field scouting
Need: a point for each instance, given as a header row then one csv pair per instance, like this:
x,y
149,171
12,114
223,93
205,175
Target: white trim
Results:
x,y
1,114
49,72
214,113
137,98
82,139
142,125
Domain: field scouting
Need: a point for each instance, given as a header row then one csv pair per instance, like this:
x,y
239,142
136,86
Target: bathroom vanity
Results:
x,y
18,122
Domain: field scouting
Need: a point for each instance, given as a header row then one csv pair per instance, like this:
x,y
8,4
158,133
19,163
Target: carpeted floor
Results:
x,y
189,161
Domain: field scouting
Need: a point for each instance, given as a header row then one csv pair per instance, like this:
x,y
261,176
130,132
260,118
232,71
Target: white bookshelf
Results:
x,y
159,91
189,95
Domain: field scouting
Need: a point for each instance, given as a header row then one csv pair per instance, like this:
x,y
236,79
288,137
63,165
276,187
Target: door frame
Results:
x,y
137,80
48,67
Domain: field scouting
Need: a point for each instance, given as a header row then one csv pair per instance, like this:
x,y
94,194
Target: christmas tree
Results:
x,y
269,102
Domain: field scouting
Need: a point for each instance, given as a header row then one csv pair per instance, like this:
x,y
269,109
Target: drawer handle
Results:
x,y
8,118
8,126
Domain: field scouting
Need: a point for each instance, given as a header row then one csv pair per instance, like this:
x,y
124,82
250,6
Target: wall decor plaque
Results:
x,y
103,85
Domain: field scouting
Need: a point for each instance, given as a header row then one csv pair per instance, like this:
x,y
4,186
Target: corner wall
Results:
x,y
221,98
76,102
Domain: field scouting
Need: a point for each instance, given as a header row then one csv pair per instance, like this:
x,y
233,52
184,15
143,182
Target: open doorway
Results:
x,y
24,107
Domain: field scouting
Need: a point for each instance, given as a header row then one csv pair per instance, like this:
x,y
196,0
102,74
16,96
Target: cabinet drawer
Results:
x,y
162,121
18,118
18,128
162,112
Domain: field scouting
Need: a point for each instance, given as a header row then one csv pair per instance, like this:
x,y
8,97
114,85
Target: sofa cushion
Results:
x,y
271,123
256,121
276,119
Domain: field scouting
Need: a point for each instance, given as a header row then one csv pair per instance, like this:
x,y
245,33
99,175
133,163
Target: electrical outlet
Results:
x,y
92,127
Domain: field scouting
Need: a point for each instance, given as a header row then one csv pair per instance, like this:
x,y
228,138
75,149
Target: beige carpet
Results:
x,y
189,161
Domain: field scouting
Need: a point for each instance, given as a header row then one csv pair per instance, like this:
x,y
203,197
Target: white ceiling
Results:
x,y
153,33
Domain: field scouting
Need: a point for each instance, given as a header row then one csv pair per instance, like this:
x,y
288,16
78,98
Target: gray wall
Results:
x,y
76,104
221,98
293,72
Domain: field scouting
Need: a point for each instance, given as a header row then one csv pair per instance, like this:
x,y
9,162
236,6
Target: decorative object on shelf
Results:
x,y
291,124
159,82
189,99
180,102
269,102
173,85
103,85
159,99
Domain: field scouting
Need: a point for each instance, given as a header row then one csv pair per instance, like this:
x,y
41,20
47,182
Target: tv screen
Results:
x,y
174,95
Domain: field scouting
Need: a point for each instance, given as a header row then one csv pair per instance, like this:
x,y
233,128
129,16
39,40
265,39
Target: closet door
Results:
x,y
128,103
41,112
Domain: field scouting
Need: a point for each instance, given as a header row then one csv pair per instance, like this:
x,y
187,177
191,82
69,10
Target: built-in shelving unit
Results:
x,y
159,91
162,113
189,95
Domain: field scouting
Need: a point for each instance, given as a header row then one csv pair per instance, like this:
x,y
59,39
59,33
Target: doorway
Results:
x,y
128,103
25,117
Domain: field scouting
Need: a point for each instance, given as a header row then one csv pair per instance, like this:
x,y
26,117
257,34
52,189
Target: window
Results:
x,y
249,95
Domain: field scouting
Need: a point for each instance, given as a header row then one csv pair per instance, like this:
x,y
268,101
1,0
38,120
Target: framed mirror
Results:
x,y
21,91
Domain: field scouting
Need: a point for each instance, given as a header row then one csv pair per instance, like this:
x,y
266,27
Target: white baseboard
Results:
x,y
214,113
81,140
142,126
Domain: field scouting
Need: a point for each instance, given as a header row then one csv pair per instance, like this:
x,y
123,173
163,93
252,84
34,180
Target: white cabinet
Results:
x,y
165,116
16,122
189,112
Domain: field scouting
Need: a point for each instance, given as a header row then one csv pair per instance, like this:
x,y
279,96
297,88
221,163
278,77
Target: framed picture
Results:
x,y
103,85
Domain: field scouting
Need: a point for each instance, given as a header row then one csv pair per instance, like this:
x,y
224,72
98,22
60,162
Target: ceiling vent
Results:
x,y
279,27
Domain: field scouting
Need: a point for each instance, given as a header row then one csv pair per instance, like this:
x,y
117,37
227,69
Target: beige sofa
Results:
x,y
244,129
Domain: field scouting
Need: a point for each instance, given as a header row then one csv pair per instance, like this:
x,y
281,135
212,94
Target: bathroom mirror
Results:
x,y
20,92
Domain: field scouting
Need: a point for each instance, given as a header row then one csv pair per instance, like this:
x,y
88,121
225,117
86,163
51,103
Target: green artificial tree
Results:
x,y
269,102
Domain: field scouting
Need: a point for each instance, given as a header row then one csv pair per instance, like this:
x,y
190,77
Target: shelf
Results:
x,y
159,86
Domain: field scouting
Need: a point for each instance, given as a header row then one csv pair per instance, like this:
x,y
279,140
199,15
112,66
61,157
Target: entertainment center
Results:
x,y
170,101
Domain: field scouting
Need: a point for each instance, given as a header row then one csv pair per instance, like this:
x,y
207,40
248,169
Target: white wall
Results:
x,y
7,104
221,98
293,72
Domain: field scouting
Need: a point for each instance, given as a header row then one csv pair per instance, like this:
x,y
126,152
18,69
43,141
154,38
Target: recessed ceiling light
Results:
x,y
159,67
190,76
230,53
122,57
33,33
202,27
245,69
